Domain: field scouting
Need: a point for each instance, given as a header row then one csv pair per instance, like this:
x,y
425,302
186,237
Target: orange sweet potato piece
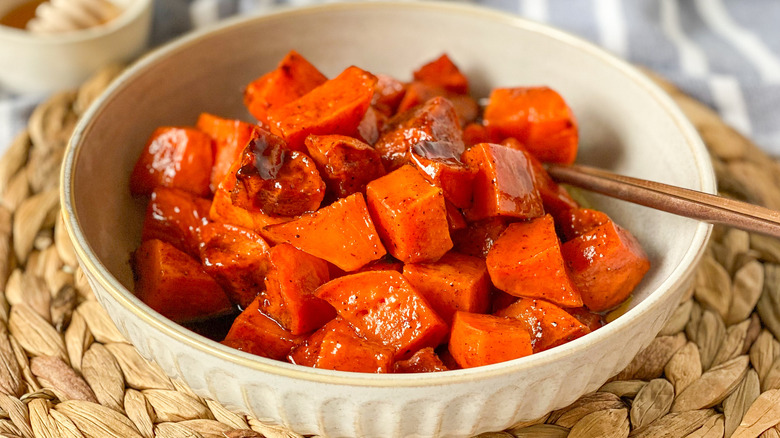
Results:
x,y
477,239
344,351
261,332
439,162
424,361
276,181
435,120
548,324
538,117
409,215
417,92
237,258
475,133
580,221
504,185
383,307
289,290
174,157
176,217
370,126
341,233
592,320
455,218
306,352
347,164
292,78
444,73
387,95
526,261
455,282
478,340
606,264
230,139
174,284
335,107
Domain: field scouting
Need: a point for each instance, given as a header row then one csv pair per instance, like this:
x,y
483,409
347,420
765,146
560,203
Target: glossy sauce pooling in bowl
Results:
x,y
366,224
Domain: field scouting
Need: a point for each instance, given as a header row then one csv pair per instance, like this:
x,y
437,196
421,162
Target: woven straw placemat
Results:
x,y
65,370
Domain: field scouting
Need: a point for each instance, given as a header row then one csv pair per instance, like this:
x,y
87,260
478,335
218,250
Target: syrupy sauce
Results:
x,y
213,328
19,16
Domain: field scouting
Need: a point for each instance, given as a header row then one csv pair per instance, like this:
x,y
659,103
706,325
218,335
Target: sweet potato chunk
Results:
x,y
435,120
417,92
383,307
606,264
455,218
292,78
237,258
264,334
526,261
475,133
444,73
306,352
347,164
341,233
335,107
344,351
548,324
504,184
289,290
410,216
477,239
174,284
424,361
439,162
276,181
387,95
174,157
580,221
230,139
538,117
455,282
176,217
593,321
478,340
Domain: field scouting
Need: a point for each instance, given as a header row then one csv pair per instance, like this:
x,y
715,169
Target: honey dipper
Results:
x,y
56,16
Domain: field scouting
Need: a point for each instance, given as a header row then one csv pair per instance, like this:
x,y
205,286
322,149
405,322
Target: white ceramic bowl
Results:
x,y
628,125
46,63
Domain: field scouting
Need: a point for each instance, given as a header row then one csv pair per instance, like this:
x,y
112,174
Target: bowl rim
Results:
x,y
130,14
204,345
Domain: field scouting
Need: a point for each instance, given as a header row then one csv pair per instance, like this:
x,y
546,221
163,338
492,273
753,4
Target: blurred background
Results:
x,y
725,53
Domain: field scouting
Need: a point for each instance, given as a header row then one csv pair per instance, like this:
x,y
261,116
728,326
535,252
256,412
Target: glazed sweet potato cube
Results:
x,y
174,284
424,361
538,117
439,163
276,181
306,352
455,218
230,139
444,73
264,334
417,92
455,282
478,340
174,157
387,95
344,351
383,307
593,321
504,185
435,120
289,290
477,239
237,258
370,126
581,221
347,164
475,133
526,261
409,215
556,200
341,233
292,78
606,264
335,107
548,324
176,217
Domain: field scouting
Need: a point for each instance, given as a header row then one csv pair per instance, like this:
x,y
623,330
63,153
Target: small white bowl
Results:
x,y
46,63
628,125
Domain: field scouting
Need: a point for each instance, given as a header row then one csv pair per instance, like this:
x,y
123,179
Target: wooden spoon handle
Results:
x,y
671,199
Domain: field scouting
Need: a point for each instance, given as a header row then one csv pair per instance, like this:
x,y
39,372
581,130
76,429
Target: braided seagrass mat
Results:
x,y
65,370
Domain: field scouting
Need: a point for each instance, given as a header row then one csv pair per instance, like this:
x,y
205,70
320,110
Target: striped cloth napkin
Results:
x,y
725,53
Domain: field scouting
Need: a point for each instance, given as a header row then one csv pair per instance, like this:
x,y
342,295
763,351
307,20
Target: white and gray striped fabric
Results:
x,y
725,53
